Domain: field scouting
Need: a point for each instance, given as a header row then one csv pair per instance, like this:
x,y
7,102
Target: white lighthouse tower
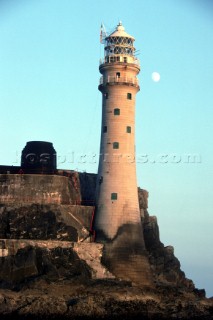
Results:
x,y
117,195
117,218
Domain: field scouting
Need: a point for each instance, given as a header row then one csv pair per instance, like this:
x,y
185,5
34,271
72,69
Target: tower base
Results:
x,y
126,257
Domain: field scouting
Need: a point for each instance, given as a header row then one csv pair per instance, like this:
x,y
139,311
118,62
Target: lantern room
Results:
x,y
119,47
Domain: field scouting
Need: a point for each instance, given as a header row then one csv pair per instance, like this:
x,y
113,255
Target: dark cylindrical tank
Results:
x,y
38,157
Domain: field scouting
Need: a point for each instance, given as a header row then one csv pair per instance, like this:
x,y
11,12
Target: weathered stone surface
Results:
x,y
37,188
126,256
55,276
101,300
53,260
72,223
143,201
165,266
92,254
33,262
36,221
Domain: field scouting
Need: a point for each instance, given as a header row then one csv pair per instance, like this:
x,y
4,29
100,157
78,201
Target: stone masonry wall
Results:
x,y
45,189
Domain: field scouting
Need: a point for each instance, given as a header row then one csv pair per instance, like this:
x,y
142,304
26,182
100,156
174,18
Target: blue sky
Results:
x,y
49,58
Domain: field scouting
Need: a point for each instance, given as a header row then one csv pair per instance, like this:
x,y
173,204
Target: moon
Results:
x,y
155,76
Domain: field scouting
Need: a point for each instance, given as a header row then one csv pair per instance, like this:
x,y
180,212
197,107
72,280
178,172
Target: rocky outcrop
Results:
x,y
32,262
36,221
53,221
52,269
23,261
110,299
73,223
165,266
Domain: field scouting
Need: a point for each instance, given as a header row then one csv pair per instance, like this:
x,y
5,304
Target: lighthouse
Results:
x,y
116,194
117,221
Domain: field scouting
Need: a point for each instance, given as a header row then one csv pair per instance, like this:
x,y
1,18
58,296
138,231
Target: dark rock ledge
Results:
x,y
111,299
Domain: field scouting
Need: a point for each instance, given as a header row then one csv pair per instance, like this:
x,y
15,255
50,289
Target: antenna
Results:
x,y
103,33
137,52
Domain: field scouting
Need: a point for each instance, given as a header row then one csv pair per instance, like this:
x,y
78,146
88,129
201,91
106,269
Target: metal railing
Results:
x,y
134,61
119,80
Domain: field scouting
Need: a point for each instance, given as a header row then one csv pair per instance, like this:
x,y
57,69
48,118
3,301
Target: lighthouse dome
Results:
x,y
120,32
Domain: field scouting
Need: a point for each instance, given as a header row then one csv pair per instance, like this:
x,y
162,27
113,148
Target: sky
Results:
x,y
49,75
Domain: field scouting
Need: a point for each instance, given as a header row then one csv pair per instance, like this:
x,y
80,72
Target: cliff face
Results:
x,y
165,266
46,255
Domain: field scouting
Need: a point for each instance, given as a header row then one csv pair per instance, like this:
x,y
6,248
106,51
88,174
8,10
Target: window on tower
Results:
x,y
128,129
115,145
104,129
116,112
106,95
114,196
129,96
125,59
118,74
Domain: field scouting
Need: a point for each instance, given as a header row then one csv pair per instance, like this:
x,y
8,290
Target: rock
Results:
x,y
143,198
102,300
33,262
28,260
50,270
165,266
37,221
92,254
